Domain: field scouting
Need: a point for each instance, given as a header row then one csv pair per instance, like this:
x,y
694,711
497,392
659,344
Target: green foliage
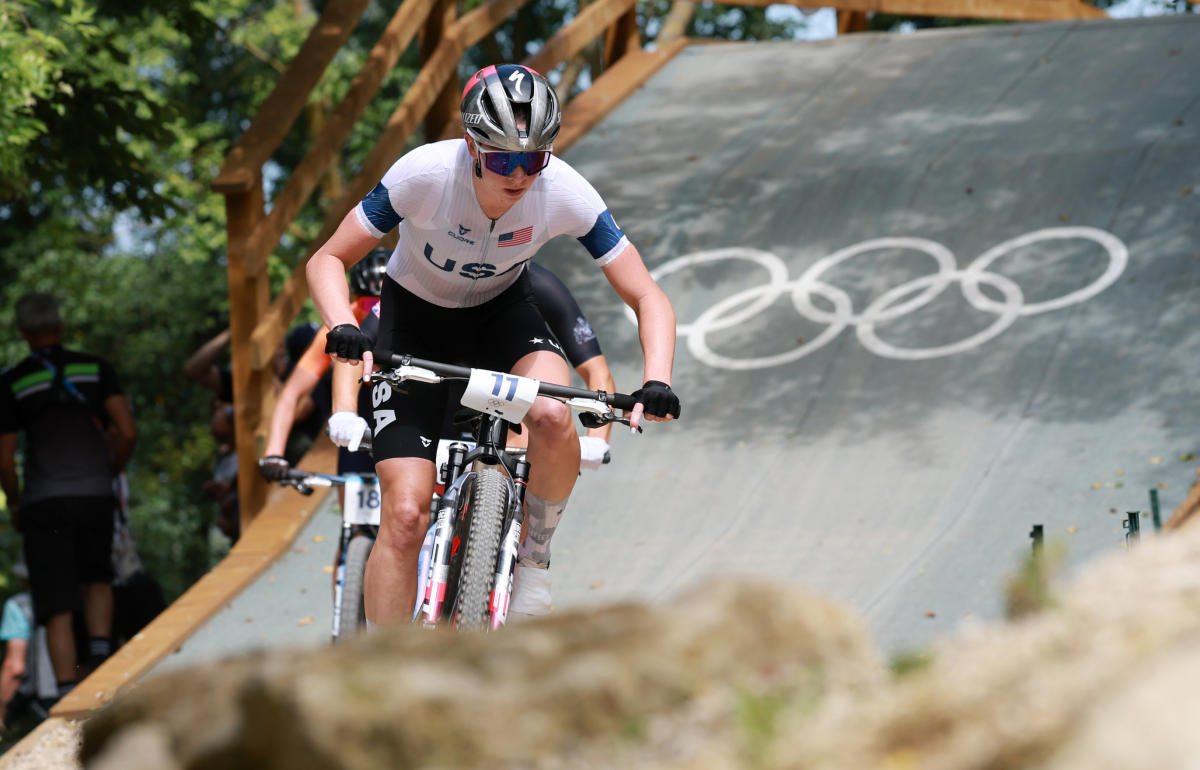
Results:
x,y
909,662
722,22
1030,590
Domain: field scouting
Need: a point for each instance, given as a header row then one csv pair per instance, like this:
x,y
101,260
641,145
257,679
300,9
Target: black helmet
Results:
x,y
366,277
495,96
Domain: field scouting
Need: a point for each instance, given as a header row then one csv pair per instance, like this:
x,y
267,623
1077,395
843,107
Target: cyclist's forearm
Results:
x,y
656,319
326,270
326,276
656,332
282,418
345,386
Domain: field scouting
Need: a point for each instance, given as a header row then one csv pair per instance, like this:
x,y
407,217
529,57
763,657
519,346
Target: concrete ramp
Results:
x,y
933,289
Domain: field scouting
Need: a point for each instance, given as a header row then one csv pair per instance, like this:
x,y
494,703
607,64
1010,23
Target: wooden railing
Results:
x,y
258,322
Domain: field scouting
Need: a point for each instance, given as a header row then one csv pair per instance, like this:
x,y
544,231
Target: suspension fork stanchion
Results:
x,y
339,582
443,538
506,563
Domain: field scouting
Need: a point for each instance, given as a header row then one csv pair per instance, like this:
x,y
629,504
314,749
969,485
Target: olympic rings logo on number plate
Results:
x,y
892,304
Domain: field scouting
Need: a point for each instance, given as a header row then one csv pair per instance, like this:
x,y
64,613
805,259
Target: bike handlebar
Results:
x,y
617,400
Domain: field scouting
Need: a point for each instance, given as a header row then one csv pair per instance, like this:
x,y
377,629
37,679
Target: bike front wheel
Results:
x,y
353,616
487,508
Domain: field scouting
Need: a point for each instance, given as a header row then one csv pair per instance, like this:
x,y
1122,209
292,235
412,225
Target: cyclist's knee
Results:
x,y
551,420
404,523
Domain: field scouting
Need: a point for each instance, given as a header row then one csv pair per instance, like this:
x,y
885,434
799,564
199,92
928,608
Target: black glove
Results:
x,y
274,468
347,341
658,399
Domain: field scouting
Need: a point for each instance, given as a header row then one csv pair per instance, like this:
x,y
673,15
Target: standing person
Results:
x,y
470,215
27,681
79,434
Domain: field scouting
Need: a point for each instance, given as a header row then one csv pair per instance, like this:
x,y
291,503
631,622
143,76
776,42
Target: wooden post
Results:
x,y
444,111
622,37
249,296
851,21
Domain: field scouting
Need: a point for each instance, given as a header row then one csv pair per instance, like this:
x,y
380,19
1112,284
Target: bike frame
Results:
x,y
488,456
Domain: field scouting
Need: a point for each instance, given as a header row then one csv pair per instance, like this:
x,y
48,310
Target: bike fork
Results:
x,y
439,561
339,582
443,538
506,563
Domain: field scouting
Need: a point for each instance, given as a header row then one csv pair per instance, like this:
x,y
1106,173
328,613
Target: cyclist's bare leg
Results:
x,y
553,443
390,583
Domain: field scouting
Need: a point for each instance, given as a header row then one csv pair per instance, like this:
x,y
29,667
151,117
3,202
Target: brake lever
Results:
x,y
593,420
299,486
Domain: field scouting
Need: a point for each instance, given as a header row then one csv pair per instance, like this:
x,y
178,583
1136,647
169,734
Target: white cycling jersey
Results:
x,y
452,254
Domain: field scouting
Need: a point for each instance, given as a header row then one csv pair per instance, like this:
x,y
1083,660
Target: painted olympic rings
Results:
x,y
892,304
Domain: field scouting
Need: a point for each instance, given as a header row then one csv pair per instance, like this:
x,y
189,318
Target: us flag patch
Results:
x,y
517,237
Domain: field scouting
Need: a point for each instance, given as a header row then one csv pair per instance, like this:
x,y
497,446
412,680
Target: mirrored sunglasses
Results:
x,y
504,163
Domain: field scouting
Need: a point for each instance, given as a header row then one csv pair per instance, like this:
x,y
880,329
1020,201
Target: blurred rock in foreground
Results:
x,y
735,675
697,682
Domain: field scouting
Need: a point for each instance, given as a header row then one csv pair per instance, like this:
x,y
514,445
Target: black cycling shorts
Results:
x,y
68,542
407,421
354,462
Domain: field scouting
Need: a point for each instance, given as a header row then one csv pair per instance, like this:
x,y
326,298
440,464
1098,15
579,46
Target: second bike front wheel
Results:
x,y
353,617
488,505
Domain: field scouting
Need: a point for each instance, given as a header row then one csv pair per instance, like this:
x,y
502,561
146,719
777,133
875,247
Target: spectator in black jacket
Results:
x,y
78,434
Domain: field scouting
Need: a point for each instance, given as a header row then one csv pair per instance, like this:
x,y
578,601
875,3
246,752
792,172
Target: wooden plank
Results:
x,y
1011,10
852,21
622,37
324,151
1186,512
268,537
287,99
445,107
610,89
589,24
248,300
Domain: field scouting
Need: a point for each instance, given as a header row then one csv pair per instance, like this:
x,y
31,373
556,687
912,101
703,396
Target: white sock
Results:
x,y
541,519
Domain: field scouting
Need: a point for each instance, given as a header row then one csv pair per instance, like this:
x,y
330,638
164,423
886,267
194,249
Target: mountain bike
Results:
x,y
480,511
360,526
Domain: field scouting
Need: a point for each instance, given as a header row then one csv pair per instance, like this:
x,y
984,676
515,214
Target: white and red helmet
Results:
x,y
510,107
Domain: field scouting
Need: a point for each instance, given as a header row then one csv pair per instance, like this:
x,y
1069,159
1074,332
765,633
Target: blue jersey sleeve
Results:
x,y
375,212
603,240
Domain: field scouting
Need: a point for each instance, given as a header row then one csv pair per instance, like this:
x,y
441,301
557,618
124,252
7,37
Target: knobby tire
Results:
x,y
488,504
353,611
